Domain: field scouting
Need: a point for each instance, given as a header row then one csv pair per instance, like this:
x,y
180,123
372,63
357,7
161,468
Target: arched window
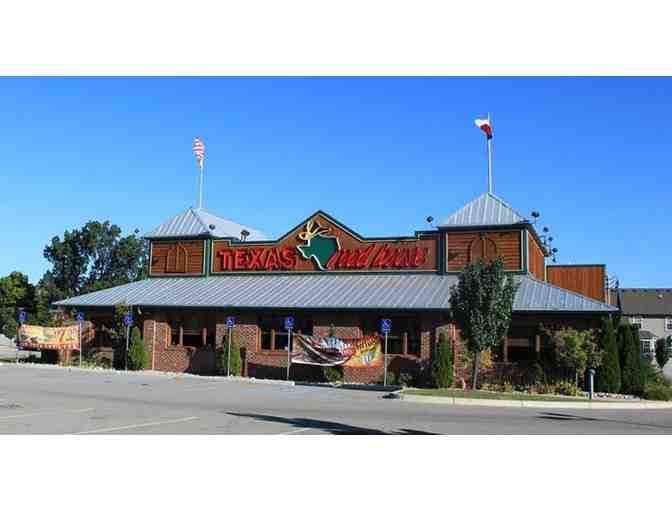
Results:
x,y
482,248
177,259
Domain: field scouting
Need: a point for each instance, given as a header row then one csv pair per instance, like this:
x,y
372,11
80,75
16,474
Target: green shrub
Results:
x,y
507,387
567,388
333,374
631,368
657,392
662,353
406,379
236,362
442,366
137,356
608,376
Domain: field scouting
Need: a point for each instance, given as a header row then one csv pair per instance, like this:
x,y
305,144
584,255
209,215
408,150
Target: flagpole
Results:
x,y
489,141
200,187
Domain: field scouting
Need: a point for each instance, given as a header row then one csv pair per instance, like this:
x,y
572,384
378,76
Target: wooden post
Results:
x,y
537,346
181,335
205,336
505,349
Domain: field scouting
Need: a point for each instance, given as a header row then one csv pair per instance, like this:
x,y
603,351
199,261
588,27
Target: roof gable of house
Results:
x,y
645,301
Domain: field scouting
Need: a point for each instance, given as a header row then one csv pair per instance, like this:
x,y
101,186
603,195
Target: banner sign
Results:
x,y
40,337
364,352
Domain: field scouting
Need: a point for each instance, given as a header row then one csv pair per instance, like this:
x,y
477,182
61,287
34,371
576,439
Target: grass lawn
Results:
x,y
491,395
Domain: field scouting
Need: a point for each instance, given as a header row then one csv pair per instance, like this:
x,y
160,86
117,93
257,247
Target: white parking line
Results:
x,y
138,425
57,411
294,431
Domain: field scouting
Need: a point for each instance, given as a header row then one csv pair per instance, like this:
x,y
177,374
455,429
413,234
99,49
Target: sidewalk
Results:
x,y
425,399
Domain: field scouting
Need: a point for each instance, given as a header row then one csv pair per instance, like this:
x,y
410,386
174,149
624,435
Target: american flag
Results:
x,y
199,151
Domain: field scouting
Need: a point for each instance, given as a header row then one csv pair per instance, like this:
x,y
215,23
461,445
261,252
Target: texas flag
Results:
x,y
484,125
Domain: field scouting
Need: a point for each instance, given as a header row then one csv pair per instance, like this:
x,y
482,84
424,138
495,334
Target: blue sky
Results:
x,y
380,154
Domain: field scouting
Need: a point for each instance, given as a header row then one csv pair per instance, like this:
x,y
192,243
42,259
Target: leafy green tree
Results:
x,y
223,355
137,355
15,293
609,373
481,303
642,363
92,258
662,352
576,350
442,366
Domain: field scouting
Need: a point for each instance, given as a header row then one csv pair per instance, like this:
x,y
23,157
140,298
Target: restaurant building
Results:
x,y
338,284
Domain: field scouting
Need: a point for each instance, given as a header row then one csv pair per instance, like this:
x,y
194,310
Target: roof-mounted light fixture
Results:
x,y
243,235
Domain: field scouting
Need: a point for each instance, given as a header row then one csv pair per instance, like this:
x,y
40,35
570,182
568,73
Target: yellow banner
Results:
x,y
41,337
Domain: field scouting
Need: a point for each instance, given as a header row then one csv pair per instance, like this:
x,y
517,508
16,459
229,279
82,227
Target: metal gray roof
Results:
x,y
645,301
486,209
343,291
196,223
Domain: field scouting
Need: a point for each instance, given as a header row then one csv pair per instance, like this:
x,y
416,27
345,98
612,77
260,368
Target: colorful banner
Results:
x,y
40,337
364,352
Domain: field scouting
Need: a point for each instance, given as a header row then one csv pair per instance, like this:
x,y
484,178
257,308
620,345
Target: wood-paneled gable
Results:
x,y
467,247
177,257
587,280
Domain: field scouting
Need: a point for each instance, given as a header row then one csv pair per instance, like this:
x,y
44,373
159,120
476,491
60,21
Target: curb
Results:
x,y
427,399
156,373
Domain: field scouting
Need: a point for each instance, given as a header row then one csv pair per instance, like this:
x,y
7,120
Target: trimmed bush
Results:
x,y
633,369
333,374
657,392
137,356
236,363
662,354
442,367
608,377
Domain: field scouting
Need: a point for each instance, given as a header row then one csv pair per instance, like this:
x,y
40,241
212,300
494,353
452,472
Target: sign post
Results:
x,y
289,325
230,321
591,373
23,316
80,318
128,320
385,327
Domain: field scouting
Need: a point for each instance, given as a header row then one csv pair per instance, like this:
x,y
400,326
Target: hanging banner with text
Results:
x,y
364,352
40,337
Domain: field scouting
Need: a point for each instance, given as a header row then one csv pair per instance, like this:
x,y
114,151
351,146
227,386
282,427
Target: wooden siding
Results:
x,y
587,280
466,247
535,259
177,257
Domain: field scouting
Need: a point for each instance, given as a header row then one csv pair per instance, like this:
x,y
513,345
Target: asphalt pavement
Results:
x,y
48,400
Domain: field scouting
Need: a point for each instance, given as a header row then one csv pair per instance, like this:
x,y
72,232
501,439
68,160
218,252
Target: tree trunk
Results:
x,y
474,375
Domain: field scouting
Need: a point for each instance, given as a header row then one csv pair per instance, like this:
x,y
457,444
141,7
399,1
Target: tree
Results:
x,y
236,363
442,367
92,258
609,373
137,355
631,373
642,363
662,353
15,293
576,350
481,303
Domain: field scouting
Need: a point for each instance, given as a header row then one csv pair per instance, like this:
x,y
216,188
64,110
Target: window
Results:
x,y
191,329
404,338
274,336
636,320
668,323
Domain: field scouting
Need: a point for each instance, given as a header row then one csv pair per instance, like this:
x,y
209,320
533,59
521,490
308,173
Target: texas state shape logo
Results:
x,y
319,247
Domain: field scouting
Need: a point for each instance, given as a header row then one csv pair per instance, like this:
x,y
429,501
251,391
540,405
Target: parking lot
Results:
x,y
51,400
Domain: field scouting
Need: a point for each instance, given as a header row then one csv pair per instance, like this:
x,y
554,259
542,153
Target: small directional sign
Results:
x,y
289,322
230,321
23,317
79,317
385,325
128,319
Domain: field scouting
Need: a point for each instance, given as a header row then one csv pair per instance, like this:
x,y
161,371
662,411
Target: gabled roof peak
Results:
x,y
198,222
485,210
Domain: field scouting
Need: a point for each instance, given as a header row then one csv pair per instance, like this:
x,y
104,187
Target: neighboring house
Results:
x,y
650,309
